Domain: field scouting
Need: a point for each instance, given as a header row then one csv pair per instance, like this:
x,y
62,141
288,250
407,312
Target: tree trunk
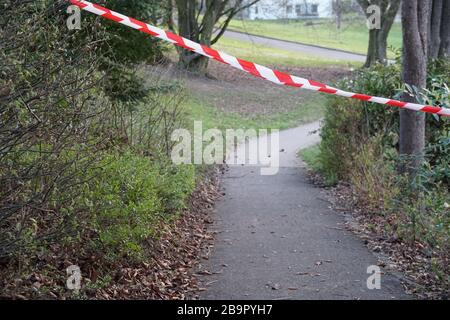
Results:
x,y
444,51
415,19
377,51
188,28
196,21
435,28
192,61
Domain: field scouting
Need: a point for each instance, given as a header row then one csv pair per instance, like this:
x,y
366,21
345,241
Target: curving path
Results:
x,y
278,238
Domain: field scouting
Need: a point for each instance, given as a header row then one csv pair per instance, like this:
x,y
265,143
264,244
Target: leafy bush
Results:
x,y
436,169
360,145
349,125
64,110
120,39
124,49
131,196
341,135
375,190
48,134
423,212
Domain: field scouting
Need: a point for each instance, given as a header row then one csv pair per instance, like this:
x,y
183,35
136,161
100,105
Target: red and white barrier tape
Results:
x,y
250,67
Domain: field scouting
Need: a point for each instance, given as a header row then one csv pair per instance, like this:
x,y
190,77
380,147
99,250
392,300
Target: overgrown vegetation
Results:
x,y
84,142
132,195
360,146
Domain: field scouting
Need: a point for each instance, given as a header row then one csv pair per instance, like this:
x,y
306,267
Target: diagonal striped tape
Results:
x,y
249,67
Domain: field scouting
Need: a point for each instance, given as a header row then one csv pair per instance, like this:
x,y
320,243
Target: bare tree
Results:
x,y
197,20
338,11
415,19
377,50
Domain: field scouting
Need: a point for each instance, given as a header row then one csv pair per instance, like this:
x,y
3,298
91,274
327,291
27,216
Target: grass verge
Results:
x,y
309,111
267,55
312,157
353,36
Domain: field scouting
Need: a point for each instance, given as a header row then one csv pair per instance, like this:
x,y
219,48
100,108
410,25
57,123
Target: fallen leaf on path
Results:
x,y
204,273
276,286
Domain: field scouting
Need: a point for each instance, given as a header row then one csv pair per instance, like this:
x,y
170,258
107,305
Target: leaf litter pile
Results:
x,y
414,261
168,274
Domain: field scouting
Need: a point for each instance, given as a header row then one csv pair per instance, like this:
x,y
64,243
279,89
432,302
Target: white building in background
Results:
x,y
296,9
289,9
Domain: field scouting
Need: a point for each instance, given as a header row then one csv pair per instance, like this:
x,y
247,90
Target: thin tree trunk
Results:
x,y
188,28
444,51
377,51
338,9
378,38
415,19
435,25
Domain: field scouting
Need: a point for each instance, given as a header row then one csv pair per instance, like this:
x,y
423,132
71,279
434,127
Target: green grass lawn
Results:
x,y
311,157
199,110
309,111
199,107
311,107
352,37
269,56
